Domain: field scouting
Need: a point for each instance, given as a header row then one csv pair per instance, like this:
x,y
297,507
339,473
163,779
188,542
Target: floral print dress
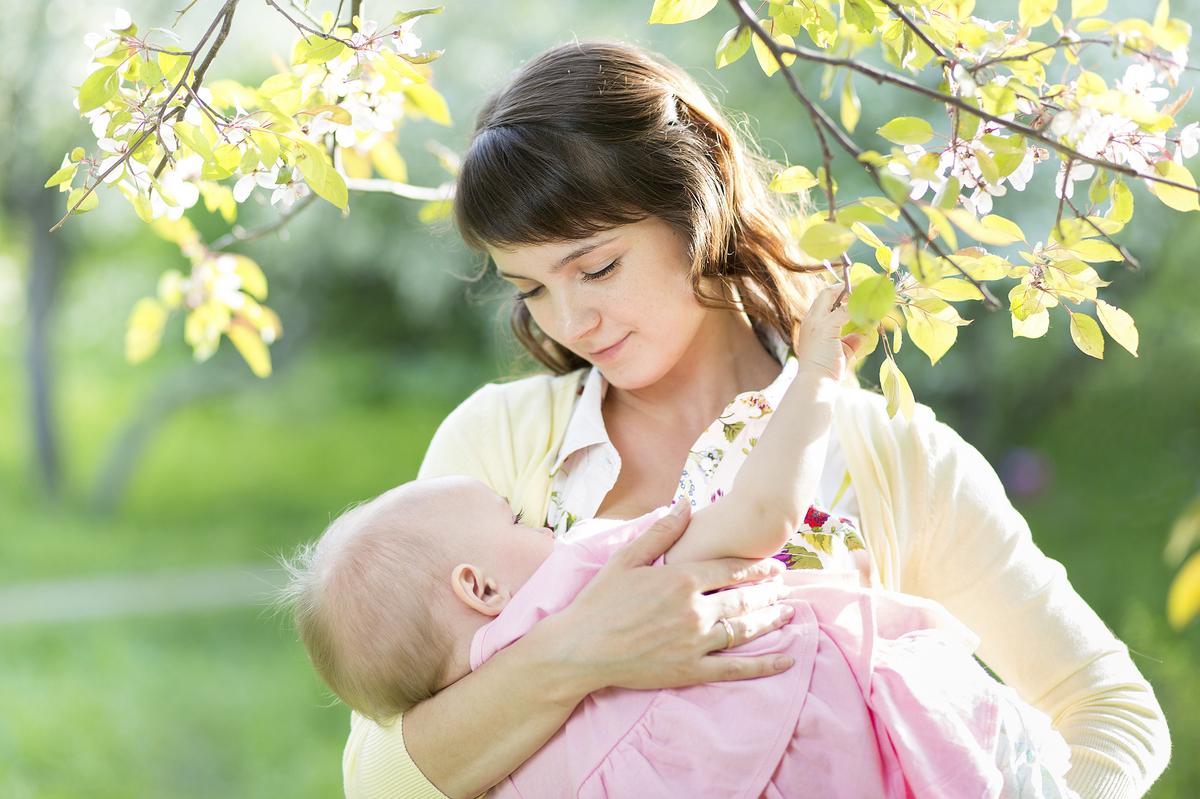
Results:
x,y
588,465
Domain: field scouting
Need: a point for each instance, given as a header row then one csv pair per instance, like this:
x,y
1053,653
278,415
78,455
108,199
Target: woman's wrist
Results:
x,y
548,654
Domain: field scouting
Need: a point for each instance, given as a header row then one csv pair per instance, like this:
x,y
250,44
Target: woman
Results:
x,y
657,285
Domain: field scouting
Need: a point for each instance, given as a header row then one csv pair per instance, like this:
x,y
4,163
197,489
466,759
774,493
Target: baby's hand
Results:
x,y
819,344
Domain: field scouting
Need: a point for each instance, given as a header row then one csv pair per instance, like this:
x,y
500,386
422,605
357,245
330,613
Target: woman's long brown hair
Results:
x,y
590,135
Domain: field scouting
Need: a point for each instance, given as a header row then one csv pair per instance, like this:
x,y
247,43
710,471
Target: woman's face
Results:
x,y
620,299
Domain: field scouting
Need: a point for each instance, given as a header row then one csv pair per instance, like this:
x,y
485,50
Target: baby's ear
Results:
x,y
475,589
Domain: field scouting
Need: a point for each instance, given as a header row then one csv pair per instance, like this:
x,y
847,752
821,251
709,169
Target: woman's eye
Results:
x,y
518,516
603,272
524,295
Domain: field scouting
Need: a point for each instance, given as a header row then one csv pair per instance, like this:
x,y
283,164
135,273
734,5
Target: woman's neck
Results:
x,y
725,359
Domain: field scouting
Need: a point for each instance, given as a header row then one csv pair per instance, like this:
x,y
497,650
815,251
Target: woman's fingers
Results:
x,y
719,668
723,572
748,626
746,599
642,550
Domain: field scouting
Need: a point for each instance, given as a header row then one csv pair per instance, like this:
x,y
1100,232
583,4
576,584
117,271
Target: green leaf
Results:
x,y
1086,335
896,389
672,12
871,300
429,102
89,202
1122,203
1179,199
793,179
1119,325
826,240
1033,326
1087,8
906,130
1033,13
252,348
932,335
851,106
404,16
98,88
320,175
1183,597
316,50
143,333
64,175
733,45
1095,251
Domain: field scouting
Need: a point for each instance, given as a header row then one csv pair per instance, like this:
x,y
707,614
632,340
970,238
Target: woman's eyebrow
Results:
x,y
578,252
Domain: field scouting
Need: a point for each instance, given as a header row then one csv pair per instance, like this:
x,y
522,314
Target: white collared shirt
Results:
x,y
588,463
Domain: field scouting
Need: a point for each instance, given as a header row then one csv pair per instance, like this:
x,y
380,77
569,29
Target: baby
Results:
x,y
409,592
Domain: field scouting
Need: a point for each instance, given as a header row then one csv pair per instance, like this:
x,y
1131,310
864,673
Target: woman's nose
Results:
x,y
576,320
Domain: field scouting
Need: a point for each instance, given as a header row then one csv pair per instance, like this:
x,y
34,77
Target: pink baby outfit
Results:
x,y
884,700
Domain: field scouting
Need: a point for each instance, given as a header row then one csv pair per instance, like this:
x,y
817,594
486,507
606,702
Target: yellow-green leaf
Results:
x,y
792,179
1185,532
1004,226
1087,8
1086,335
98,88
1095,251
389,163
766,59
992,233
429,101
826,240
254,282
851,106
672,12
1119,325
1033,326
1033,13
1183,597
906,130
251,347
733,45
434,211
316,50
320,175
896,389
64,175
933,336
1122,203
871,300
1177,198
143,332
953,289
90,200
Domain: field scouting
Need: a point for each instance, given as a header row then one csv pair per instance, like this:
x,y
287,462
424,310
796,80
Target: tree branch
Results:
x,y
937,51
777,50
880,76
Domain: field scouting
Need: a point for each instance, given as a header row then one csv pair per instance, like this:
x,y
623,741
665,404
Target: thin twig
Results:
x,y
937,51
239,234
300,26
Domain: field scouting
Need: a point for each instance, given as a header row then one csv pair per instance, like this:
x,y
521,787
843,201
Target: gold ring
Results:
x,y
728,633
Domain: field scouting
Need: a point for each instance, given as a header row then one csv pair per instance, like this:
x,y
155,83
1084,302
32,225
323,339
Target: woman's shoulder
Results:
x,y
532,396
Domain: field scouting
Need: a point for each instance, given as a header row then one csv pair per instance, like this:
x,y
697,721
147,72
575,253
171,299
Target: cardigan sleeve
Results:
x,y
974,553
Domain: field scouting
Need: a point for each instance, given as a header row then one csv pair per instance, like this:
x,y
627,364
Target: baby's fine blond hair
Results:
x,y
364,601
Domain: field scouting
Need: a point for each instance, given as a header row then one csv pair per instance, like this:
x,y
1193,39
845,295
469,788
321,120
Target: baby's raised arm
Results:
x,y
775,486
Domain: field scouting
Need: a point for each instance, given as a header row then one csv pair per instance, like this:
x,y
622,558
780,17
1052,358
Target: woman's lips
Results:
x,y
609,352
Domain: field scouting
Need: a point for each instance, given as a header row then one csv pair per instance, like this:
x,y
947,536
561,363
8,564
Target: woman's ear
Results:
x,y
479,592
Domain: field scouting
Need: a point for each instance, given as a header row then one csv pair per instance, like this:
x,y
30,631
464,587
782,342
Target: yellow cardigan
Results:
x,y
938,524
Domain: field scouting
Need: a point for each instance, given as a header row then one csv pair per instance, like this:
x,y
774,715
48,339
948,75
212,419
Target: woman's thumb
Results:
x,y
658,538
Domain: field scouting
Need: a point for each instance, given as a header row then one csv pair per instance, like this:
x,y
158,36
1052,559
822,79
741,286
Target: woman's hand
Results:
x,y
641,626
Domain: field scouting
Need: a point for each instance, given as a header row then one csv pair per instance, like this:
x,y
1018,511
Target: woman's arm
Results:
x,y
974,553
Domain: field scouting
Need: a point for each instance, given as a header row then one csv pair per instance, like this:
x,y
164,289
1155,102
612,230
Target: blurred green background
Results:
x,y
136,655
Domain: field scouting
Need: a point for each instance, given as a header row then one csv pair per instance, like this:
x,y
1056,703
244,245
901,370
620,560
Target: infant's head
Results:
x,y
386,601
